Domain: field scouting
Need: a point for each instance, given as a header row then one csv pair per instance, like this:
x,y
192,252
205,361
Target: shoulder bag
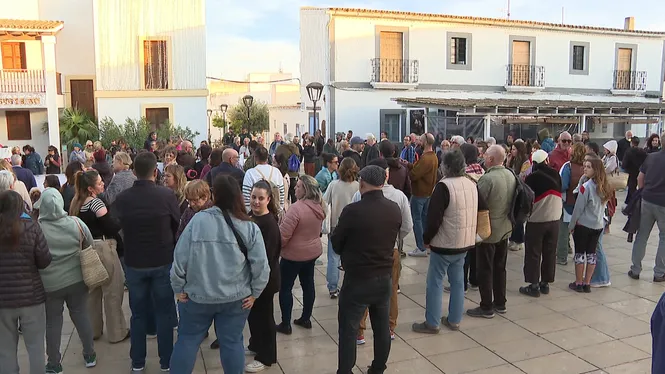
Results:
x,y
483,226
241,243
94,271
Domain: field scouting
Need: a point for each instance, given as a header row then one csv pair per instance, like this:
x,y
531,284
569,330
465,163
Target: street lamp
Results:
x,y
209,115
223,108
248,100
314,91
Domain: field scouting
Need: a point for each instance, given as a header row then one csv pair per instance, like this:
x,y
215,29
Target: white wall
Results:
x,y
290,116
24,9
315,56
355,46
39,140
187,111
119,27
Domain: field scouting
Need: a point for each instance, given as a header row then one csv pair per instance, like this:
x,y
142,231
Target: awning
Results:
x,y
20,27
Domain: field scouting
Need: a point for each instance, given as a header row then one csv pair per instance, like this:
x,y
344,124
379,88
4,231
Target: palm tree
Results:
x,y
77,127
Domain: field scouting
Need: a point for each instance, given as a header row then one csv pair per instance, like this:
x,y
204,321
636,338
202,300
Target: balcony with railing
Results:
x,y
627,82
26,81
525,78
394,73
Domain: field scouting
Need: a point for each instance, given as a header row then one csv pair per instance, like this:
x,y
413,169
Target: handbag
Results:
x,y
483,226
618,181
325,225
94,271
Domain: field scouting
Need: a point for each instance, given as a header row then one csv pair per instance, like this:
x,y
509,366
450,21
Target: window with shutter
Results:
x,y
155,64
458,51
157,117
578,57
18,125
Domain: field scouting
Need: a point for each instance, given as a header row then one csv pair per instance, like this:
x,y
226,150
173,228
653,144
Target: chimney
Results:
x,y
629,23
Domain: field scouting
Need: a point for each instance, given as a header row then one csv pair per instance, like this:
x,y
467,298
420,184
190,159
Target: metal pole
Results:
x,y
316,123
220,130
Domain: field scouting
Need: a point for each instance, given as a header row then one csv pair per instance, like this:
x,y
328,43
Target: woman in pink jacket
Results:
x,y
301,246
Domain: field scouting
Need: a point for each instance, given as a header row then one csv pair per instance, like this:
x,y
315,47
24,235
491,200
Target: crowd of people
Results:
x,y
208,237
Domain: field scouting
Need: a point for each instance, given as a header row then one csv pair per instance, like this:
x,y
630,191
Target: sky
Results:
x,y
260,36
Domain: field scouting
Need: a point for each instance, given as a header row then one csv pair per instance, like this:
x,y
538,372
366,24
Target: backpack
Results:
x,y
294,163
522,202
273,187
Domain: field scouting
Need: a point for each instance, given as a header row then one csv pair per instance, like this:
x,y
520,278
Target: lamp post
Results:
x,y
223,108
248,100
314,91
209,115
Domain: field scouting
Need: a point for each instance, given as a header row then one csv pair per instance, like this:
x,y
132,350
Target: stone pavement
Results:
x,y
606,331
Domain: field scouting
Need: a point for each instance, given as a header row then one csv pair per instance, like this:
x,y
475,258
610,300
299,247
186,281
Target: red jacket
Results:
x,y
558,157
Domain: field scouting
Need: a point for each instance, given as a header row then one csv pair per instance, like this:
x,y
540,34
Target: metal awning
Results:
x,y
513,107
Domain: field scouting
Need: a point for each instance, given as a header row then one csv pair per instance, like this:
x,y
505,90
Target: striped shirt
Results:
x,y
261,172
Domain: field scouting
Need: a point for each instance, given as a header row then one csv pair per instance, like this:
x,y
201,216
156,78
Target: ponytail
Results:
x,y
82,180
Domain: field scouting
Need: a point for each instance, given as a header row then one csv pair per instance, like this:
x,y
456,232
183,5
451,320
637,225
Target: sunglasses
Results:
x,y
566,141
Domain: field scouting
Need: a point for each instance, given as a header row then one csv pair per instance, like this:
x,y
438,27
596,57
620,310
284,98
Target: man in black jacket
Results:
x,y
623,145
227,167
365,239
632,162
149,217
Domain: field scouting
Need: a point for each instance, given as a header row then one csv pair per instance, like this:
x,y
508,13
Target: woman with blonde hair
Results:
x,y
301,246
338,195
175,179
93,212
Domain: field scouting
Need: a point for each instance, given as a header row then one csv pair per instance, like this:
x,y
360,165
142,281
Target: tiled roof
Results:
x,y
481,20
29,25
511,103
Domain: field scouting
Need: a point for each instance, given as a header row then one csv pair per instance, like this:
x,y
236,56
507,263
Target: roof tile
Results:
x,y
24,25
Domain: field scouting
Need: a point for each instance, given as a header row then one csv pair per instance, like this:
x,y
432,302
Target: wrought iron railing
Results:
x,y
630,80
525,75
22,81
387,70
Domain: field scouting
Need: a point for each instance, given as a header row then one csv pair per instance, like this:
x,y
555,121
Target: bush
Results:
x,y
136,132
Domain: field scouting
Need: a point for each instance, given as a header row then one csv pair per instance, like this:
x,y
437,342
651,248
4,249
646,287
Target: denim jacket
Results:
x,y
208,265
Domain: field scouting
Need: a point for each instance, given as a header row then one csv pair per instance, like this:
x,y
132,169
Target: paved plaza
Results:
x,y
606,331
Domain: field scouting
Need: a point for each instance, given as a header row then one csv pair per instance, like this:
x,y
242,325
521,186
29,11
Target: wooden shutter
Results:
x,y
155,64
18,125
157,116
83,95
391,53
521,69
13,56
624,66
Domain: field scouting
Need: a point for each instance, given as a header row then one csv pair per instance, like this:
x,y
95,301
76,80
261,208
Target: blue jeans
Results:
x,y
419,216
601,275
150,287
332,272
439,266
195,320
289,271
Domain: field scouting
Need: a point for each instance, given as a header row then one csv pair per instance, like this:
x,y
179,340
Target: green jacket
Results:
x,y
284,152
325,177
498,186
63,239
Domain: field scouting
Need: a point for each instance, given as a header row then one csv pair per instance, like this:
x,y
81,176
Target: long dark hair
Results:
x,y
649,147
56,155
517,161
52,181
11,208
273,208
70,172
227,196
84,179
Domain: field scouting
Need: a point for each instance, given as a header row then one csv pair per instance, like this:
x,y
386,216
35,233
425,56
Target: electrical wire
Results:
x,y
258,82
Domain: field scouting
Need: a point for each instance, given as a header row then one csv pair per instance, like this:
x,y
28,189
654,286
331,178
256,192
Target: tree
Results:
x,y
75,127
259,117
218,121
135,132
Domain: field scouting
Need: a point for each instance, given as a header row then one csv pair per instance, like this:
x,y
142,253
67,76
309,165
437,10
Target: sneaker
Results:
x,y
249,352
165,370
303,323
451,326
334,294
151,336
418,253
586,288
53,369
473,286
90,360
214,344
480,313
544,288
446,289
575,287
402,254
657,279
562,262
500,309
398,289
392,335
530,291
318,262
284,328
360,340
512,245
633,275
600,285
255,367
424,328
137,369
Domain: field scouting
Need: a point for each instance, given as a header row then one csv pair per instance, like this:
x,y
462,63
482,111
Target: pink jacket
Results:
x,y
301,229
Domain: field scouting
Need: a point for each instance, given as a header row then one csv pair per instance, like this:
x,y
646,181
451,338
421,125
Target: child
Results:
x,y
587,221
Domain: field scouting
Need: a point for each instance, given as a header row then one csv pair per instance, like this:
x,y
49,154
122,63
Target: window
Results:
x,y
157,116
18,125
459,51
13,55
286,130
394,123
155,64
579,58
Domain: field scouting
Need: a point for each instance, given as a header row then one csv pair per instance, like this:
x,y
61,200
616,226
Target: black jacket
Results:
x,y
365,236
632,161
225,169
354,155
149,216
622,146
105,171
309,154
369,153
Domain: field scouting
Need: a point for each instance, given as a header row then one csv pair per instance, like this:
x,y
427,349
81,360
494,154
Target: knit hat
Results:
x,y
374,175
356,140
77,145
539,156
99,155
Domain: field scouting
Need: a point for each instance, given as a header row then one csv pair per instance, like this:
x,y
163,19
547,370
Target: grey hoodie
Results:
x,y
589,209
63,238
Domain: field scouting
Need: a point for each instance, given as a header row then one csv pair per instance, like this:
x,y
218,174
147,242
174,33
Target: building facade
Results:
x,y
405,72
116,59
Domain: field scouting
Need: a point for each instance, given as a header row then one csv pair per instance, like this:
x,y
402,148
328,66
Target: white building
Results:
x,y
405,72
116,59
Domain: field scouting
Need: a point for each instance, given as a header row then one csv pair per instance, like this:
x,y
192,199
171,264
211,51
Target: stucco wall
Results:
x,y
39,139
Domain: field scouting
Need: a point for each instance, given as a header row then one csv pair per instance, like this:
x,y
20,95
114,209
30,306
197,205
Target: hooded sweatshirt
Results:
x,y
546,141
64,241
589,208
301,229
610,160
